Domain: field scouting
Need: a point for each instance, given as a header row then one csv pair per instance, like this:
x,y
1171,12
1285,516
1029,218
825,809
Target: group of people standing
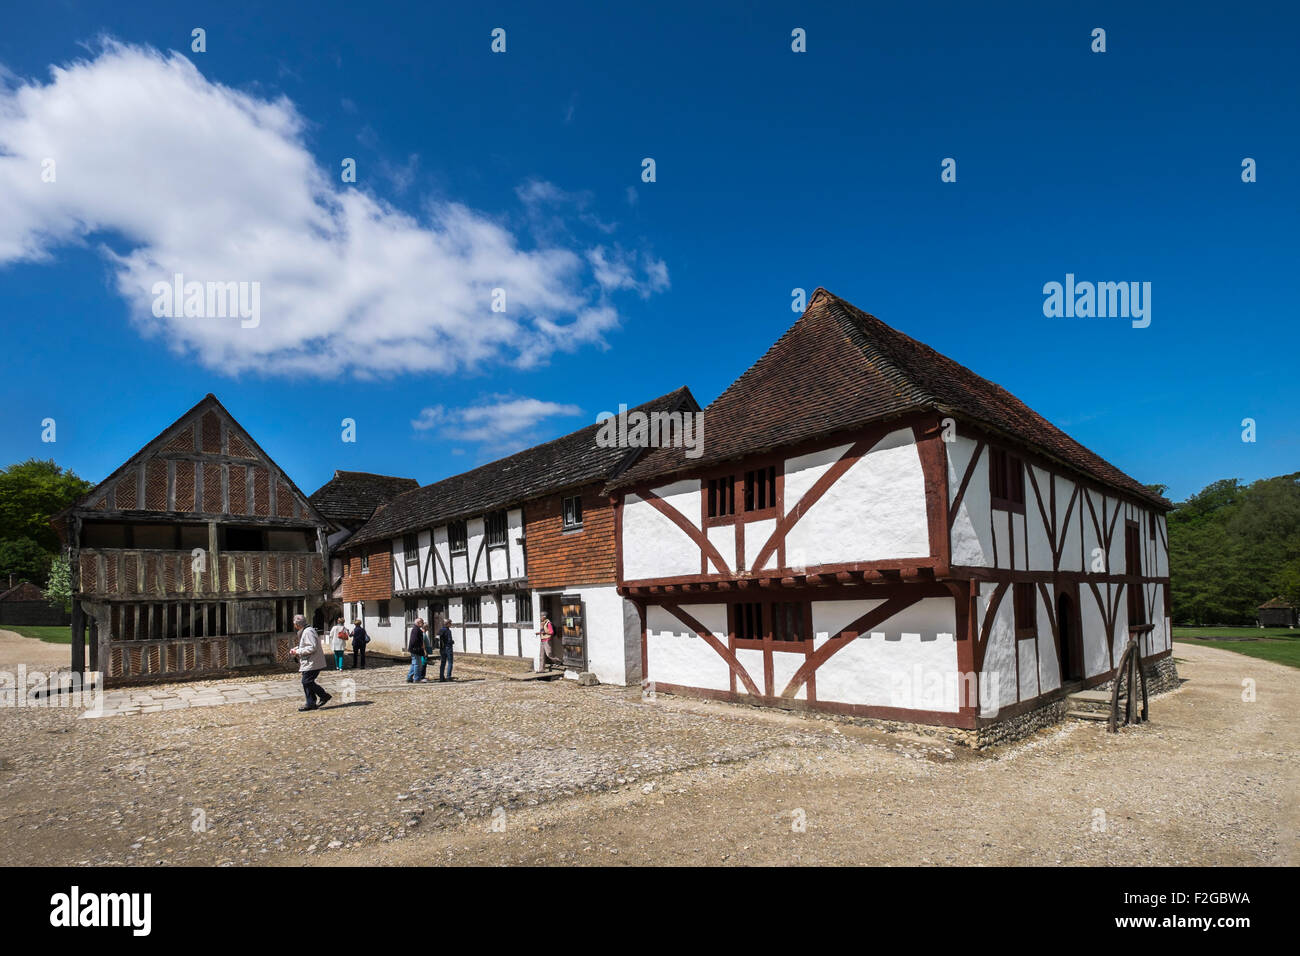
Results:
x,y
339,637
420,645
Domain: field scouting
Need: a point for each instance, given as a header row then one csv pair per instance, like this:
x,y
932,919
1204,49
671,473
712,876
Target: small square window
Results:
x,y
572,508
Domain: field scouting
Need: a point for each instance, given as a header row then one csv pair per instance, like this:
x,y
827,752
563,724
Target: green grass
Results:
x,y
1277,644
51,635
1227,631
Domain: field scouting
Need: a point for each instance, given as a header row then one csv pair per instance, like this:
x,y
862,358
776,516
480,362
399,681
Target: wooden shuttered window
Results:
x,y
1006,480
1025,598
1137,605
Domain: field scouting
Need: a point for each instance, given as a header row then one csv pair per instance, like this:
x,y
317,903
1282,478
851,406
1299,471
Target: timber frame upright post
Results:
x,y
78,635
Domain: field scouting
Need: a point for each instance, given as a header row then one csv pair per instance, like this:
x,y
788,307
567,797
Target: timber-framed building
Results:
x,y
873,529
192,557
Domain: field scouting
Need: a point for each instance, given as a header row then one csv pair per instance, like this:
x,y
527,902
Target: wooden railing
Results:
x,y
140,574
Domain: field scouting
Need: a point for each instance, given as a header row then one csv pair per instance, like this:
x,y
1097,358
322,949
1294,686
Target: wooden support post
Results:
x,y
95,655
78,637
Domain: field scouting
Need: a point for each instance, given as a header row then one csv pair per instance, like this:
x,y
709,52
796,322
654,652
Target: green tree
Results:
x,y
59,590
25,559
31,493
1232,547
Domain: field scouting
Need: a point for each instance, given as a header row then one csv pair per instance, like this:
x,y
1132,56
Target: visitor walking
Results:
x,y
311,661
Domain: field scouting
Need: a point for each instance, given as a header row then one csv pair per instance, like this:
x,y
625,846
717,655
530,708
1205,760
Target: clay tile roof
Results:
x,y
1276,603
22,591
567,462
356,494
838,368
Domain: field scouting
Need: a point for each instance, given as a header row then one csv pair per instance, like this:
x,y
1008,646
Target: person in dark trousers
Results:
x,y
359,641
311,661
446,652
415,644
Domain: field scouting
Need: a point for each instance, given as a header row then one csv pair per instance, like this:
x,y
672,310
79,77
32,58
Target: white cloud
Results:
x,y
615,269
499,424
167,172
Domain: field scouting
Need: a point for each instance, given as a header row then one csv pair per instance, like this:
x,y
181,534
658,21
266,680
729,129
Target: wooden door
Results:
x,y
573,633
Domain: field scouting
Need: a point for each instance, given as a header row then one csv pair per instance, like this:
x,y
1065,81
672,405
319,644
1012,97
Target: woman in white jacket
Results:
x,y
339,642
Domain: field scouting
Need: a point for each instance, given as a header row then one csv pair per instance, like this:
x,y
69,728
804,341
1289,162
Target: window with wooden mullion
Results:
x,y
748,622
787,621
722,497
496,525
760,488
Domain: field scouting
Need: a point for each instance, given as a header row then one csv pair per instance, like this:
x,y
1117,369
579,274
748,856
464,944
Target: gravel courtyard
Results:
x,y
491,771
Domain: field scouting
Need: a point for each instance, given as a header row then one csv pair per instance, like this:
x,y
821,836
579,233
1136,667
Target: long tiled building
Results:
x,y
489,550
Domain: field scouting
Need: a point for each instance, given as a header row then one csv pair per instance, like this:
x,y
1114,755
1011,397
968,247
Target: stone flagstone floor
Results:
x,y
130,701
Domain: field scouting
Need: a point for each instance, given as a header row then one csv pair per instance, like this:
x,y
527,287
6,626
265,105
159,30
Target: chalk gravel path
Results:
x,y
498,771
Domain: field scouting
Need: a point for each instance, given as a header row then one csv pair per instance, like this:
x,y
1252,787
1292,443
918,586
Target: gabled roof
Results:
x,y
22,591
568,462
160,443
838,368
354,495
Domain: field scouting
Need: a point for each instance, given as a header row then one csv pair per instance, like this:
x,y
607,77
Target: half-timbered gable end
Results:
x,y
193,555
874,528
490,549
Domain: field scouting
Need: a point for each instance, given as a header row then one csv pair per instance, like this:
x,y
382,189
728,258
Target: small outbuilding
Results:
x,y
1278,612
22,603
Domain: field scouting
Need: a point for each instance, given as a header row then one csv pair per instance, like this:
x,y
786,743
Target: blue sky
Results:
x,y
522,170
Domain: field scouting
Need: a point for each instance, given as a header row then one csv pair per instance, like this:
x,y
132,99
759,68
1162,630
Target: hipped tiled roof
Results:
x,y
353,495
568,462
838,368
1278,603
